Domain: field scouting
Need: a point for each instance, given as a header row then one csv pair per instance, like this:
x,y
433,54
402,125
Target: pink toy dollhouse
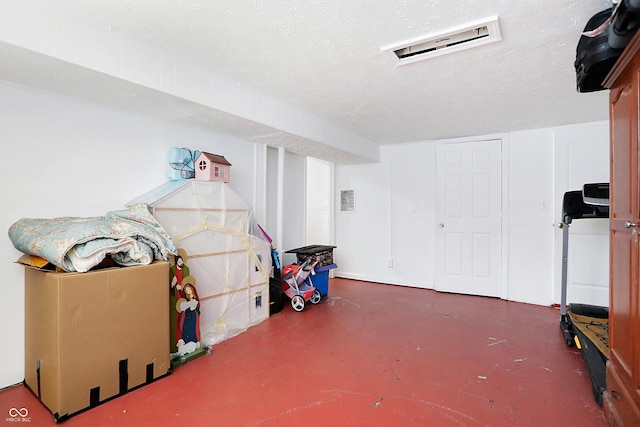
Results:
x,y
212,167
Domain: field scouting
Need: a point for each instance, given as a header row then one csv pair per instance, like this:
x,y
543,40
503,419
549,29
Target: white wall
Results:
x,y
394,218
362,236
294,213
395,214
293,209
319,202
529,220
579,157
66,157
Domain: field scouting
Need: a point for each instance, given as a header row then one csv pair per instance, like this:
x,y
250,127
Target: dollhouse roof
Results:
x,y
215,158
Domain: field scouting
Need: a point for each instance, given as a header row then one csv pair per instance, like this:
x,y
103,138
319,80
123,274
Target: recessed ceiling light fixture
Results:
x,y
455,39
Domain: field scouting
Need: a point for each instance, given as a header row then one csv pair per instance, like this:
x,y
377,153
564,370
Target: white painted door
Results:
x,y
581,156
468,206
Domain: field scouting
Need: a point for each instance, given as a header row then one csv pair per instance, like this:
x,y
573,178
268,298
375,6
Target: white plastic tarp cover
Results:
x,y
224,250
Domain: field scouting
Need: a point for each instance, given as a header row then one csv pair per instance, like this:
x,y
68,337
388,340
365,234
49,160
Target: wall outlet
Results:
x,y
390,263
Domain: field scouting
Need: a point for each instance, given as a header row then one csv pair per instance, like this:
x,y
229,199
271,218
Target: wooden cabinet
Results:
x,y
622,396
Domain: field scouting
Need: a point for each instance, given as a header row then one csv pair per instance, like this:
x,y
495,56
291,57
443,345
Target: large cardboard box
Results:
x,y
92,336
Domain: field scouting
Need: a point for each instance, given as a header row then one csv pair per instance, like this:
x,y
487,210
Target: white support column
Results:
x,y
280,203
260,182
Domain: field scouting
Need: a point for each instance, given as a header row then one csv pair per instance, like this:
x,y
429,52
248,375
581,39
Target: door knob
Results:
x,y
630,224
441,225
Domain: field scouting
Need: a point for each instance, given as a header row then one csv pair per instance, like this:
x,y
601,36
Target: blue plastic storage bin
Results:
x,y
320,280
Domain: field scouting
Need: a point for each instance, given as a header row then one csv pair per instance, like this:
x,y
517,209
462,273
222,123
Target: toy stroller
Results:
x,y
295,286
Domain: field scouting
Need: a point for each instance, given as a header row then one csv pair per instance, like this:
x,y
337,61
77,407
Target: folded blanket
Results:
x,y
129,237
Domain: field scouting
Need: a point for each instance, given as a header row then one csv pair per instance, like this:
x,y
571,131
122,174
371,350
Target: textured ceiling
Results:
x,y
324,57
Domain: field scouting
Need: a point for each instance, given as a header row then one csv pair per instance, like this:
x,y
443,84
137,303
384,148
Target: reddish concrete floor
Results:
x,y
368,354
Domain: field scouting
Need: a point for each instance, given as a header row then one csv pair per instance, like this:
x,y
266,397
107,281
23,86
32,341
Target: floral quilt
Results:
x,y
129,237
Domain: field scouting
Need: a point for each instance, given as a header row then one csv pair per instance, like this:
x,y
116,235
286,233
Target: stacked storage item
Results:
x,y
91,337
324,255
226,255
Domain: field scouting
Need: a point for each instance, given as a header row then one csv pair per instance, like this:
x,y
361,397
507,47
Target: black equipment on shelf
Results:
x,y
604,37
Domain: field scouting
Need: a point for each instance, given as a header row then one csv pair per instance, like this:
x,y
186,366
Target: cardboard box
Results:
x,y
90,337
